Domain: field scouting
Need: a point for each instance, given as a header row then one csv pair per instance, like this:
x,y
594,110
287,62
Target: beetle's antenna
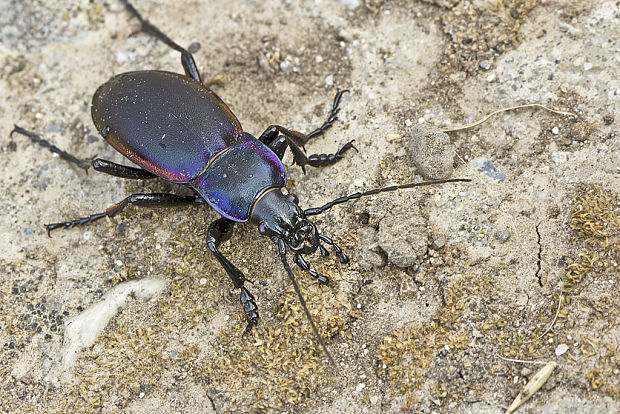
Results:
x,y
282,249
318,210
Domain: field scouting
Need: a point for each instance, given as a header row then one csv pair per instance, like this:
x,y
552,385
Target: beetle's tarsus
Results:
x,y
342,256
303,264
249,308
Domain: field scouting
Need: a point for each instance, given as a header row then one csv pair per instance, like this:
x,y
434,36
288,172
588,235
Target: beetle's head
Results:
x,y
278,215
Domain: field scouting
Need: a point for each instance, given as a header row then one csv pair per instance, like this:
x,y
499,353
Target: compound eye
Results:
x,y
263,228
292,198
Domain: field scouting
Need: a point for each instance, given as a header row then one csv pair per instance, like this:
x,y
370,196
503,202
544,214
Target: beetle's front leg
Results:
x,y
220,231
278,138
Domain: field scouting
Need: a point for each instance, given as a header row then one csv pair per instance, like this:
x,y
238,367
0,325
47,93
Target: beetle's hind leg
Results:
x,y
187,59
220,231
53,148
142,200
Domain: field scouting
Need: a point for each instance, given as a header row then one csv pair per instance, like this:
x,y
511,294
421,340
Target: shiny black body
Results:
x,y
180,130
174,127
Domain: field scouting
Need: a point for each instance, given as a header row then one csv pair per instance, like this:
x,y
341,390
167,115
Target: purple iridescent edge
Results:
x,y
237,176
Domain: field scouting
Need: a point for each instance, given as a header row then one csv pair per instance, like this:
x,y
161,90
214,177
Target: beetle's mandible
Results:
x,y
174,127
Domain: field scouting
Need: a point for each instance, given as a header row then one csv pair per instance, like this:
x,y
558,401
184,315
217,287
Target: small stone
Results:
x,y
555,130
439,242
286,66
360,387
486,64
431,152
412,241
263,62
581,131
374,400
486,167
587,66
368,237
343,34
502,236
329,80
561,349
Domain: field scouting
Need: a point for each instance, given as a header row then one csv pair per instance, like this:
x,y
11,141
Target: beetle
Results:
x,y
174,127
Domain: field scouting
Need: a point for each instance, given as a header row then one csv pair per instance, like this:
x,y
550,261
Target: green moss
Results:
x,y
408,353
595,221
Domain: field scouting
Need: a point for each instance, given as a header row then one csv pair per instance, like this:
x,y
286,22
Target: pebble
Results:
x,y
403,251
561,349
555,130
502,236
486,64
329,80
286,66
486,167
431,152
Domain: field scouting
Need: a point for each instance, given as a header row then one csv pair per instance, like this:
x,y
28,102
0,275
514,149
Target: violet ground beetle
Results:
x,y
174,127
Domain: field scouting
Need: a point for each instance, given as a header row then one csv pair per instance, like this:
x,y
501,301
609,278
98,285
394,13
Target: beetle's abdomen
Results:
x,y
236,177
165,122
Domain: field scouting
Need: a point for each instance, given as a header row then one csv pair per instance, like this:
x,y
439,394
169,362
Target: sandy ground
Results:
x,y
442,280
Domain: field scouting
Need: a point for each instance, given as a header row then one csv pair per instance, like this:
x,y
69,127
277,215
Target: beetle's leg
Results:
x,y
122,171
142,200
187,60
295,141
303,264
342,256
272,133
278,138
219,232
333,115
63,154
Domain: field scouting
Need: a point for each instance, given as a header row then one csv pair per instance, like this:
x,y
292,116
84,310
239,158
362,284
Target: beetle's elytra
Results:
x,y
174,127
